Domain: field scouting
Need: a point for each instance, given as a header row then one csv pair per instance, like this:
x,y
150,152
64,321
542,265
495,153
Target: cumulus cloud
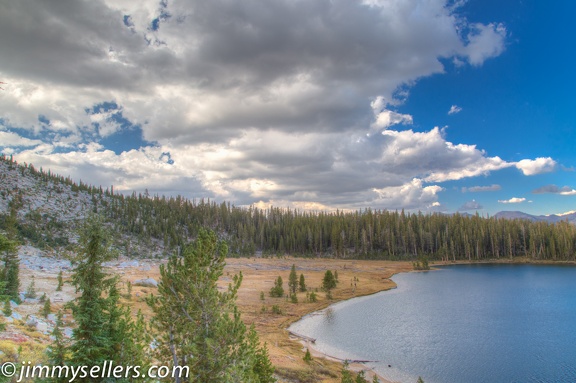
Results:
x,y
384,118
537,166
485,41
475,189
10,139
254,102
513,200
189,67
454,109
553,189
470,205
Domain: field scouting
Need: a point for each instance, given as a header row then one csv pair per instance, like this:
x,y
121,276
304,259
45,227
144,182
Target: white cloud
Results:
x,y
384,118
470,205
213,68
255,102
454,109
411,195
537,166
513,200
474,189
553,189
484,42
9,139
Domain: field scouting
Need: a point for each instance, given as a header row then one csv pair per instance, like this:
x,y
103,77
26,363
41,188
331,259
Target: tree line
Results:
x,y
365,234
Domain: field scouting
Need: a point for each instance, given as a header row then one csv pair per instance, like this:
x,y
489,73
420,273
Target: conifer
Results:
x,y
328,282
293,280
46,309
7,310
57,352
60,281
199,327
10,272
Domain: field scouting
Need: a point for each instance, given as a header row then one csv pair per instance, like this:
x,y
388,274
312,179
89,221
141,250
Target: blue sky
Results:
x,y
429,105
519,105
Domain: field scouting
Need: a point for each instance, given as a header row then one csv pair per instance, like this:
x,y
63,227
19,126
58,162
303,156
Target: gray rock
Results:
x,y
147,282
32,321
16,316
126,264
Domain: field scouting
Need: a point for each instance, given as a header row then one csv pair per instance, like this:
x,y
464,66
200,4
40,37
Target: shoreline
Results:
x,y
357,365
354,365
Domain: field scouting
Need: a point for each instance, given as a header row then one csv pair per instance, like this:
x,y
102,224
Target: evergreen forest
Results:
x,y
367,234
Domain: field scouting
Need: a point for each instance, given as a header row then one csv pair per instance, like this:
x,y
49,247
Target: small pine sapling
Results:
x,y
46,309
60,281
31,290
7,311
302,283
307,357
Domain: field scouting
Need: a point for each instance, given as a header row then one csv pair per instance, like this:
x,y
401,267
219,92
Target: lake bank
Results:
x,y
357,278
462,320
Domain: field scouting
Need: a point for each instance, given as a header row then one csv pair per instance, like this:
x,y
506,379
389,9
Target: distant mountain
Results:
x,y
553,218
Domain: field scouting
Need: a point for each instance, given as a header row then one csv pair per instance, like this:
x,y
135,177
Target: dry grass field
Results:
x,y
356,278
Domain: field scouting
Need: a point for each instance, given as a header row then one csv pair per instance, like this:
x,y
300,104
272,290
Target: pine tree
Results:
x,y
261,365
375,379
302,283
31,290
57,352
312,297
277,291
328,282
128,339
293,280
199,327
10,273
307,356
46,309
7,310
420,380
346,374
361,377
60,281
104,330
91,345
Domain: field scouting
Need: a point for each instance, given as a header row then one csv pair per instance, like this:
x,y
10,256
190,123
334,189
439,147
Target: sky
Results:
x,y
423,105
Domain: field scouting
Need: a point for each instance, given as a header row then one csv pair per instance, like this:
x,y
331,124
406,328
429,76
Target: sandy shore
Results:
x,y
356,278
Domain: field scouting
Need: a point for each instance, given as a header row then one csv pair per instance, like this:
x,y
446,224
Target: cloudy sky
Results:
x,y
430,105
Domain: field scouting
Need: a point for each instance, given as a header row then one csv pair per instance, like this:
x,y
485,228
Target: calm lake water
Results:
x,y
460,324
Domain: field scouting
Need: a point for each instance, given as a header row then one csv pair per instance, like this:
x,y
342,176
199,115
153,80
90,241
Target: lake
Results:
x,y
460,324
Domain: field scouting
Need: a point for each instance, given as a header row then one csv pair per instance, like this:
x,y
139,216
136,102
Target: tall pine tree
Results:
x,y
10,272
199,327
293,280
104,330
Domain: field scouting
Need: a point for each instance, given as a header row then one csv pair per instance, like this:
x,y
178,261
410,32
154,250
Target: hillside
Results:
x,y
48,208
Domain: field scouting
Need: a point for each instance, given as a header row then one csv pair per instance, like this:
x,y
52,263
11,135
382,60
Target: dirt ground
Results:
x,y
286,351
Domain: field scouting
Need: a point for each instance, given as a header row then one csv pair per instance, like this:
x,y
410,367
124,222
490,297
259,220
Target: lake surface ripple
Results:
x,y
460,324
